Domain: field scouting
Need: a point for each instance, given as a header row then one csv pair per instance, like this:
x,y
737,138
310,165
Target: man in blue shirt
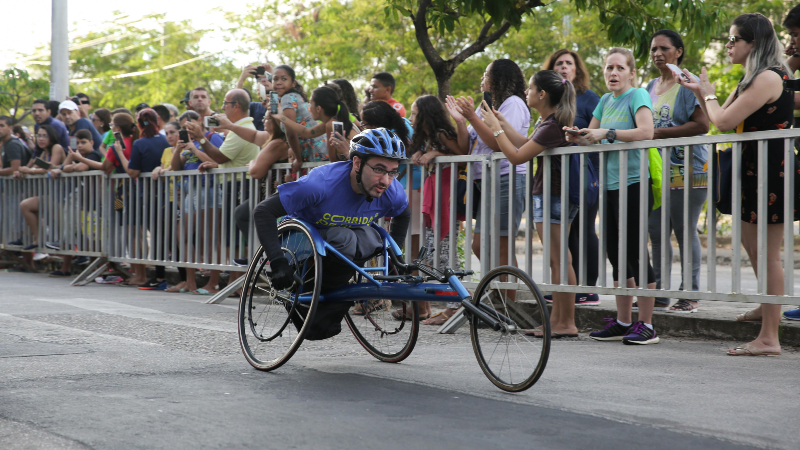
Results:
x,y
74,122
341,200
41,115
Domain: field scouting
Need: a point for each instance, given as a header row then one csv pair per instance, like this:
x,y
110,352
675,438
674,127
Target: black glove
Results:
x,y
282,274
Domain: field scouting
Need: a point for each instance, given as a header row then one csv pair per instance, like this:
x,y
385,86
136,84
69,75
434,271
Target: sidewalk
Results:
x,y
713,320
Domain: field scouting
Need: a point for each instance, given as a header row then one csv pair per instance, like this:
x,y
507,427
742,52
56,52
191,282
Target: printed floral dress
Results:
x,y
772,116
314,149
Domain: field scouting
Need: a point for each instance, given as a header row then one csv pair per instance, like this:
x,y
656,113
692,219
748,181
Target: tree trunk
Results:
x,y
443,85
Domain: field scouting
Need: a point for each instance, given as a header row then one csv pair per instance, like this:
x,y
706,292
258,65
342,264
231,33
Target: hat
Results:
x,y
141,106
68,104
186,97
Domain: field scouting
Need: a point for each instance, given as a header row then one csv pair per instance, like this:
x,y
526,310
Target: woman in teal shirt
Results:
x,y
626,115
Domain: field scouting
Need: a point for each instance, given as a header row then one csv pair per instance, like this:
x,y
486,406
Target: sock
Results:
x,y
623,323
648,325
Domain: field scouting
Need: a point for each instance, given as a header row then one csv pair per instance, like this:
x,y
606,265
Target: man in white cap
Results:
x,y
74,122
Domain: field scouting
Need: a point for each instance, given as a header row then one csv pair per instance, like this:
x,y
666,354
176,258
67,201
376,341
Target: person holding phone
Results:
x,y
504,80
327,108
624,115
125,133
676,113
553,97
49,150
760,102
571,66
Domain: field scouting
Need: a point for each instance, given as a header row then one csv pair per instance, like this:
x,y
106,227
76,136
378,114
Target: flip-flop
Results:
x,y
747,317
397,315
440,313
201,291
751,350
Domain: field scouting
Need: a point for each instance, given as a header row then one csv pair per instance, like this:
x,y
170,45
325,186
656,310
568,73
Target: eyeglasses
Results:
x,y
226,103
380,171
732,39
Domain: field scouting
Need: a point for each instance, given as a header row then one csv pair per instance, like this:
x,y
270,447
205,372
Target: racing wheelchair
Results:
x,y
503,312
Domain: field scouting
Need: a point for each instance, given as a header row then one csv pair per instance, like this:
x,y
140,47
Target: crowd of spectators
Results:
x,y
160,139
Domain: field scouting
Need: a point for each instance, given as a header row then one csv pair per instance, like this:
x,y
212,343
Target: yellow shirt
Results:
x,y
166,161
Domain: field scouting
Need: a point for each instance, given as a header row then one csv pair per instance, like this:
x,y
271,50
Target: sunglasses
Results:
x,y
732,39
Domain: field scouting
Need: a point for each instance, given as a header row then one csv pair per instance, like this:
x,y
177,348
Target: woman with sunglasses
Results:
x,y
760,102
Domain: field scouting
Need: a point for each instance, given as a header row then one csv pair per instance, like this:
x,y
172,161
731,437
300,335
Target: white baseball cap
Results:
x,y
68,104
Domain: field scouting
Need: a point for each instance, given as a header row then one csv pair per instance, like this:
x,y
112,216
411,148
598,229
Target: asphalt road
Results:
x,y
108,367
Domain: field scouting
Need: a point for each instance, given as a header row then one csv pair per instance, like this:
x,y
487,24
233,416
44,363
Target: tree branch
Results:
x,y
424,38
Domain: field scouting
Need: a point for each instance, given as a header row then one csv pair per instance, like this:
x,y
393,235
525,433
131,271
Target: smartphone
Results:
x,y
273,102
576,132
73,142
42,163
118,138
487,97
677,71
262,92
183,135
268,76
211,122
338,127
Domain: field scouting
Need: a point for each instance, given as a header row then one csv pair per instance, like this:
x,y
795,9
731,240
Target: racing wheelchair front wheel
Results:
x,y
272,323
512,358
387,332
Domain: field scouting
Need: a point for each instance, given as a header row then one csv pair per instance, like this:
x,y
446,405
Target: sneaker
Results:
x,y
587,300
154,285
613,331
30,247
640,334
657,307
793,314
548,298
53,245
60,274
17,243
38,256
80,260
110,279
241,262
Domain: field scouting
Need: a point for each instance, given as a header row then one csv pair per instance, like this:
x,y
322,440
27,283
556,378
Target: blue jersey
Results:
x,y
326,199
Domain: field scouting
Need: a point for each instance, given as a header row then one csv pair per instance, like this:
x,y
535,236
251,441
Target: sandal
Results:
x,y
751,350
748,317
372,306
683,307
432,320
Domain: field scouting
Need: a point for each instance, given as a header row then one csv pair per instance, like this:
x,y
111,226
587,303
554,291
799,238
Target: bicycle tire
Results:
x,y
522,358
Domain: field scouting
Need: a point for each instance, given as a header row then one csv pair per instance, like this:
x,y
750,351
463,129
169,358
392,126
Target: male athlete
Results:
x,y
340,199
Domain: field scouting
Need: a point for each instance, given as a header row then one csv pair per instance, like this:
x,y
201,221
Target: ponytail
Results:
x,y
127,127
328,99
148,122
561,93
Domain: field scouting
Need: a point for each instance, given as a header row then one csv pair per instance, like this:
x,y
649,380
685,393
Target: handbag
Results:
x,y
461,194
722,166
656,175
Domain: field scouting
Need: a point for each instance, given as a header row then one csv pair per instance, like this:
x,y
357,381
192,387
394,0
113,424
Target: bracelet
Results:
x,y
710,97
498,133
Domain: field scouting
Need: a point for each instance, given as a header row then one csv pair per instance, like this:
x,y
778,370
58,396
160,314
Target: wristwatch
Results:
x,y
498,133
710,97
611,135
202,141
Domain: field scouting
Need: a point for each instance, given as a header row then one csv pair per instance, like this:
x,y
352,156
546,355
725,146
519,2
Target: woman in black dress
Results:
x,y
760,102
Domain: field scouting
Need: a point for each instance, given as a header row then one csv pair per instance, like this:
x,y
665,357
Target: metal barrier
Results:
x,y
165,221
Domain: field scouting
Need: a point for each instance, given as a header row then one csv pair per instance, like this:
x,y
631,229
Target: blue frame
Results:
x,y
382,289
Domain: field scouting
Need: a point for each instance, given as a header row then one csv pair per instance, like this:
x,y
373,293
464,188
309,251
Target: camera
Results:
x,y
211,122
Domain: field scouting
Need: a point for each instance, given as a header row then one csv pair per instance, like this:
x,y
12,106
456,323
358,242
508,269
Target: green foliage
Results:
x,y
147,46
18,91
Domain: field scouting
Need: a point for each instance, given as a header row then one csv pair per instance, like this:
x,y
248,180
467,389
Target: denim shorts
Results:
x,y
555,209
199,200
502,209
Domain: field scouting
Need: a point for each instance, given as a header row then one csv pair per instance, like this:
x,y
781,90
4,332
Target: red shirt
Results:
x,y
397,106
111,154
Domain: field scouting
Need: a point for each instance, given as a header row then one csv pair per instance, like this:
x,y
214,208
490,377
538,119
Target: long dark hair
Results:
x,y
431,120
298,88
105,116
148,122
349,96
560,92
382,115
127,127
506,80
52,137
327,99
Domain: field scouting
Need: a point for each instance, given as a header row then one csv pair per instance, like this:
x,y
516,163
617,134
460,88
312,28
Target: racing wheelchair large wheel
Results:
x,y
272,323
383,336
512,358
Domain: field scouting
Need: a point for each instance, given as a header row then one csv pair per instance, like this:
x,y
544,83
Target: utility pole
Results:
x,y
59,52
